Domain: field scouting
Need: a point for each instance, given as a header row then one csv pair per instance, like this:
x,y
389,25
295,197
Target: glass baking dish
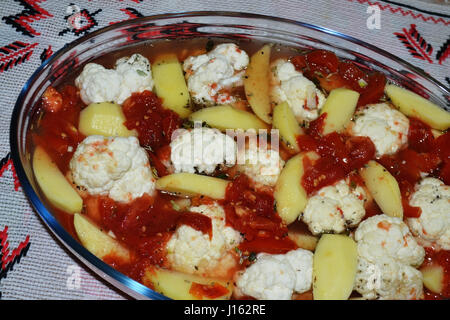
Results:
x,y
224,25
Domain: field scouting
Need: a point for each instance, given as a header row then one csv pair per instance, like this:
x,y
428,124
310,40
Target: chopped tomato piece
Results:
x,y
322,61
355,78
251,212
52,100
299,62
144,112
374,89
420,137
268,245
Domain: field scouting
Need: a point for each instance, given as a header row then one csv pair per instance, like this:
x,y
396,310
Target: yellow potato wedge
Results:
x,y
170,84
177,285
413,105
284,120
226,117
290,197
191,184
433,278
256,84
339,107
53,184
436,133
302,237
98,242
105,119
334,267
384,188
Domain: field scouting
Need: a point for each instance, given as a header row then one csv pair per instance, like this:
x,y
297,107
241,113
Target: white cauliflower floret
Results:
x,y
300,93
385,126
202,150
382,236
98,84
335,208
388,280
136,76
277,277
261,165
209,74
192,251
387,253
433,225
114,166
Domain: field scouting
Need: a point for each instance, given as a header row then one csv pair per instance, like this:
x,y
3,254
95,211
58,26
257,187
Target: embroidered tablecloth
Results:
x,y
34,265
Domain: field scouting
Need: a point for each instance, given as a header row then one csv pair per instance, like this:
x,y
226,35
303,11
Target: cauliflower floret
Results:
x,y
136,76
201,150
114,166
192,251
208,74
300,93
385,126
382,236
277,277
335,208
387,253
388,280
98,84
261,165
433,225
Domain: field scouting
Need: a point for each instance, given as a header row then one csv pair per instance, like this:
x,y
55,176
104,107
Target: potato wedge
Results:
x,y
191,184
98,242
334,267
256,84
436,133
384,188
105,119
303,238
284,120
226,117
170,84
433,278
53,184
290,197
413,105
179,286
339,107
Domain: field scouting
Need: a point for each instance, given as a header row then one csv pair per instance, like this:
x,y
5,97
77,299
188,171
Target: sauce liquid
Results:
x,y
147,223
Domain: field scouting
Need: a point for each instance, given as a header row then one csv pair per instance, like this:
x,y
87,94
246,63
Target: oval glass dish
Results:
x,y
222,25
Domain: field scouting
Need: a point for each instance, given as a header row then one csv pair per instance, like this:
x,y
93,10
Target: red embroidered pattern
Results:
x,y
15,53
415,43
404,12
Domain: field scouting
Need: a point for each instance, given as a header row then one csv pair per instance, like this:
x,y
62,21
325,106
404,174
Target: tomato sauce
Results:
x,y
339,155
154,124
147,224
424,154
253,214
57,129
211,291
331,73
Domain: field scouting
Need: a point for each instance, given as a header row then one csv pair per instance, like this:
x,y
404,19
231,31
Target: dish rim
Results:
x,y
118,279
